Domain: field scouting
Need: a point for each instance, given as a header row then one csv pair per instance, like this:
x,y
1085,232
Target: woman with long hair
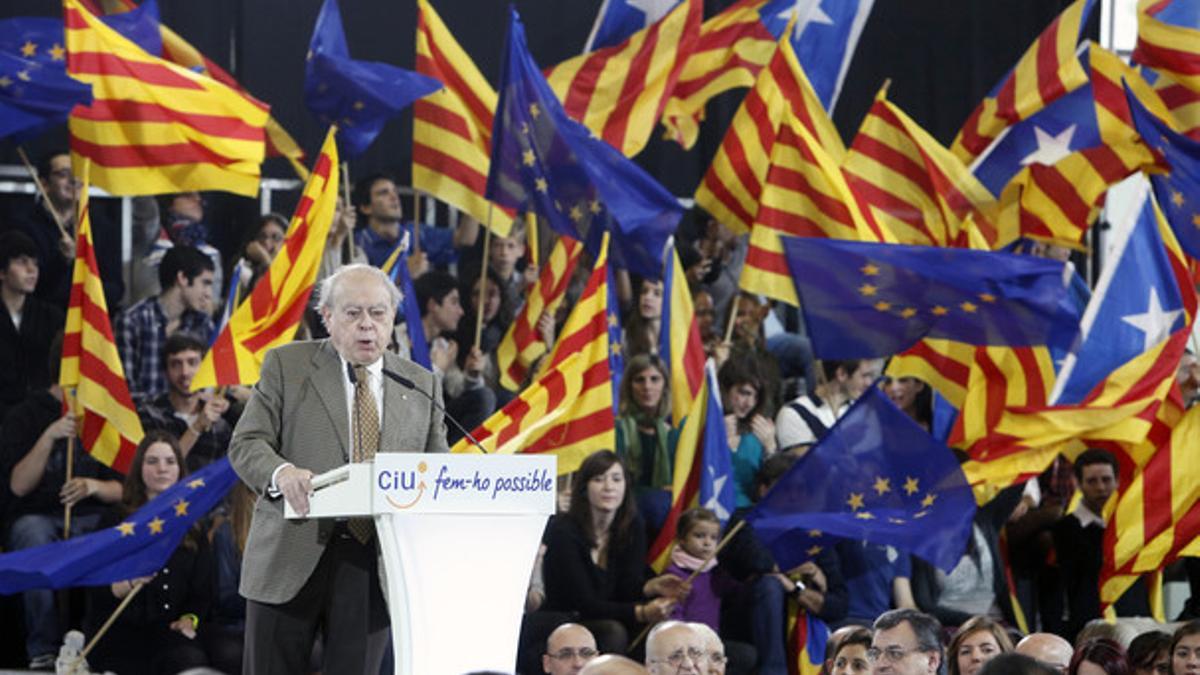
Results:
x,y
749,425
595,558
158,633
979,640
645,321
645,440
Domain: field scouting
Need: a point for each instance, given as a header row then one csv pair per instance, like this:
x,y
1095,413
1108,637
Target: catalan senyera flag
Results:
x,y
106,418
619,92
568,410
153,126
522,344
1157,516
807,637
179,51
1047,70
944,364
732,48
908,184
679,340
270,316
1168,45
805,195
452,128
733,186
1061,195
685,477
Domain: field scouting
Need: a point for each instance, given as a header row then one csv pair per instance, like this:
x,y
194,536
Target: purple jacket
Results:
x,y
703,604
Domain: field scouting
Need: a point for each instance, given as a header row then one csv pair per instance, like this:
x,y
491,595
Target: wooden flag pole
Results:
x,y
483,267
133,591
350,205
70,397
725,540
37,183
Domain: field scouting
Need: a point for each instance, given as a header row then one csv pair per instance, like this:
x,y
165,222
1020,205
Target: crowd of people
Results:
x,y
592,594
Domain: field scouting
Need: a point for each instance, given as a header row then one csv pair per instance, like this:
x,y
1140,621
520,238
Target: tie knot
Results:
x,y
360,374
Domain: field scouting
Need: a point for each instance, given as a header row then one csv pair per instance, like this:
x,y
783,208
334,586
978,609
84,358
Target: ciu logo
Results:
x,y
403,482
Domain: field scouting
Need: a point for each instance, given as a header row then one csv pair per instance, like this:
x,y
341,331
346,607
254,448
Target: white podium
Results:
x,y
459,535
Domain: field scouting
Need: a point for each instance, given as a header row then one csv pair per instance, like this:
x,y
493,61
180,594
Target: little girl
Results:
x,y
696,538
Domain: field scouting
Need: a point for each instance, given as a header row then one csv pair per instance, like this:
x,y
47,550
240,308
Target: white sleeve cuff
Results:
x,y
273,489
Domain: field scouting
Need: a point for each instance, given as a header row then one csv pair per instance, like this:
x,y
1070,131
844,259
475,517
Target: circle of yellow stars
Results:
x,y
871,290
882,485
155,526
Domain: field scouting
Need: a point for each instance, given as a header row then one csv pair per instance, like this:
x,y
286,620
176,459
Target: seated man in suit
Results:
x,y
318,405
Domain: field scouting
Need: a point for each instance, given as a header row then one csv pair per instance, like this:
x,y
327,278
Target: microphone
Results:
x,y
356,422
409,384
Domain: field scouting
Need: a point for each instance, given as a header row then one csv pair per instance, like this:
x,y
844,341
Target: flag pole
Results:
x,y
487,244
41,189
70,395
725,540
416,242
133,591
531,238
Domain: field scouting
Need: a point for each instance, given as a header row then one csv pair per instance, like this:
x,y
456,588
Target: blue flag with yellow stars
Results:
x,y
1178,190
137,546
544,162
867,300
35,91
876,477
357,96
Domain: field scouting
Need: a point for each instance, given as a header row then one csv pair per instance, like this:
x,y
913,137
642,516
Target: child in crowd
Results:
x,y
696,538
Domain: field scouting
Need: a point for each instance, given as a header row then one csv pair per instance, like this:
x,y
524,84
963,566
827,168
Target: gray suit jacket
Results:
x,y
298,414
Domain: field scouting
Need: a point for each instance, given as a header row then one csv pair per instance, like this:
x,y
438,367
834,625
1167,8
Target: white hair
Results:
x,y
707,634
330,286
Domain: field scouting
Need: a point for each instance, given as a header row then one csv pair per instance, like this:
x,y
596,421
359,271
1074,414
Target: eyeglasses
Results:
x,y
892,654
676,657
569,654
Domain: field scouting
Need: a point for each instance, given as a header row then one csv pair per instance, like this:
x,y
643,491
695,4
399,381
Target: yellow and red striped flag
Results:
x,y
1058,202
1171,49
685,476
908,184
452,128
1047,70
732,188
680,346
1157,515
153,126
270,316
568,411
107,420
619,92
944,364
522,344
177,50
732,48
805,195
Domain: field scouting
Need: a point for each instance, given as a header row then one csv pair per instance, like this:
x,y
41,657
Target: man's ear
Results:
x,y
935,661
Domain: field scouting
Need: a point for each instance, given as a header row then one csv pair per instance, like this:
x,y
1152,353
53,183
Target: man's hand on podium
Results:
x,y
296,486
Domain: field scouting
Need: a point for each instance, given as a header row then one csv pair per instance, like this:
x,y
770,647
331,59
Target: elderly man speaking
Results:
x,y
317,406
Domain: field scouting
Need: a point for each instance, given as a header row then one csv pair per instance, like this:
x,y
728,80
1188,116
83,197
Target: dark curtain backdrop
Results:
x,y
942,56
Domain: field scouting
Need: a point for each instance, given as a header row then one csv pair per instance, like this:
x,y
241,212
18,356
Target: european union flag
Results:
x,y
358,96
1137,304
40,38
877,477
1178,191
545,162
867,300
35,97
616,353
141,25
417,344
717,491
137,546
